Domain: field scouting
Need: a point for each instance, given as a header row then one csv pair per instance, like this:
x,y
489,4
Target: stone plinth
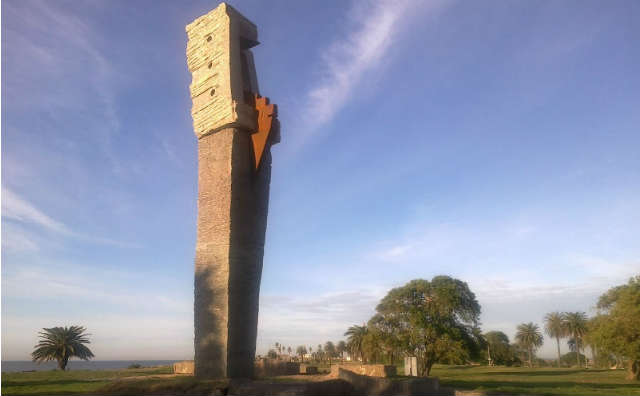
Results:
x,y
370,370
184,367
273,368
308,369
367,385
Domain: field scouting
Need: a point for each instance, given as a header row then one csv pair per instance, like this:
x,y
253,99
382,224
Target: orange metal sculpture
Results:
x,y
266,115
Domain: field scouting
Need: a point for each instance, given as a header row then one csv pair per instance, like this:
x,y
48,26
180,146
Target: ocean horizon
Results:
x,y
13,366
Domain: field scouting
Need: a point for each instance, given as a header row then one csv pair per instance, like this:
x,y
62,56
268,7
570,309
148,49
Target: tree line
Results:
x,y
329,352
437,321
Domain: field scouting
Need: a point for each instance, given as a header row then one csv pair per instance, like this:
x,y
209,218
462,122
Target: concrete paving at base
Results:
x,y
342,380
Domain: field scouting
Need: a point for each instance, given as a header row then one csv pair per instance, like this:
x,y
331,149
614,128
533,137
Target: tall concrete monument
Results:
x,y
235,128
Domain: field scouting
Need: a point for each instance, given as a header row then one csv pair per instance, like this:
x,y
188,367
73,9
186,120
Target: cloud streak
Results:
x,y
18,209
309,320
56,53
86,284
21,211
372,29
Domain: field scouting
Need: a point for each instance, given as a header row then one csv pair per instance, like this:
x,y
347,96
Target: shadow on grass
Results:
x,y
6,383
537,373
457,368
532,385
173,386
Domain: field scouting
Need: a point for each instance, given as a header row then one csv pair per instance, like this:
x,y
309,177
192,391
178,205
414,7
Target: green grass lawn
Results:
x,y
490,380
537,381
68,382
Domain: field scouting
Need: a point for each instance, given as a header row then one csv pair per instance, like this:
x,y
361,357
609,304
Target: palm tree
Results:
x,y
529,336
341,348
62,343
576,327
555,327
355,336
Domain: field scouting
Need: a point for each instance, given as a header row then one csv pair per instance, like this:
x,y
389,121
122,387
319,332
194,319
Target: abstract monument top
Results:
x,y
224,89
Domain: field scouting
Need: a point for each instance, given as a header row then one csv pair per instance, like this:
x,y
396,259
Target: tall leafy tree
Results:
x,y
556,327
341,348
61,344
374,344
576,325
329,350
355,338
529,336
431,320
498,349
616,330
301,350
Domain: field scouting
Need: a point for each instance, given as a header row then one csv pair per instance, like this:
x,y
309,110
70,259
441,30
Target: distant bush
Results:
x,y
134,366
542,362
570,359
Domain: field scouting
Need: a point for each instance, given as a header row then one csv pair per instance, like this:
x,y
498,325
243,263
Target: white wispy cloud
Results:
x,y
17,240
371,30
88,285
18,209
309,320
60,58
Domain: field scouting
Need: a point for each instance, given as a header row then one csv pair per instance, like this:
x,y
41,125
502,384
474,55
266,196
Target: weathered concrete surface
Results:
x,y
272,368
233,195
370,370
326,387
184,367
308,369
367,385
232,216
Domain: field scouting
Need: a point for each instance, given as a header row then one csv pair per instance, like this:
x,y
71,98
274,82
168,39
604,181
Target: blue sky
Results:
x,y
497,142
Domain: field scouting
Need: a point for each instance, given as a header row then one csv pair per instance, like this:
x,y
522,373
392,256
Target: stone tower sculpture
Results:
x,y
235,128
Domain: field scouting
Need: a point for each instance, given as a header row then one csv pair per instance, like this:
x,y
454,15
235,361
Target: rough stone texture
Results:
x,y
370,370
184,367
328,387
273,368
222,70
232,215
233,196
308,369
367,385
